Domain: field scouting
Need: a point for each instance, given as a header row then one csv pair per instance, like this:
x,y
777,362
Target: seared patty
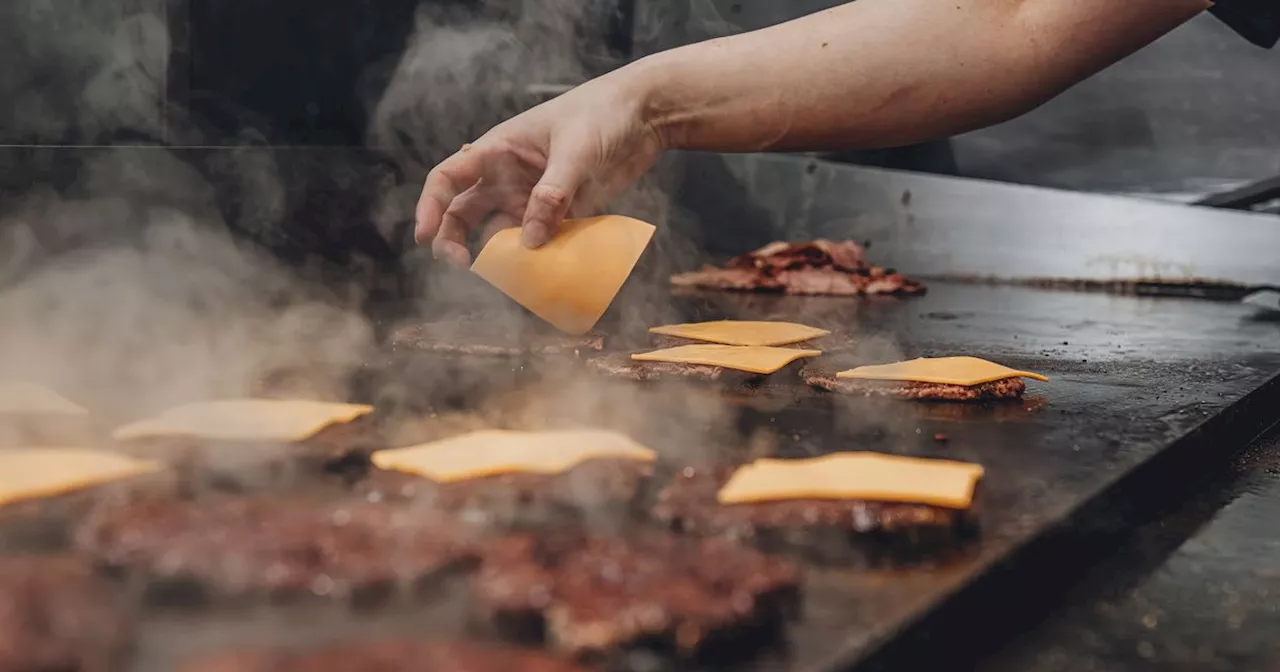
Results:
x,y
277,546
593,595
389,656
1007,388
334,443
591,486
689,504
492,337
58,615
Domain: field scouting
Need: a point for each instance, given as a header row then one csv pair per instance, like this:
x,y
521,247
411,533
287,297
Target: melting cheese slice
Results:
x,y
30,473
964,371
735,332
750,358
21,397
277,420
571,280
855,476
495,452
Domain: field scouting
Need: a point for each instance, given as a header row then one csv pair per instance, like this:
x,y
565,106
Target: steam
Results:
x,y
123,289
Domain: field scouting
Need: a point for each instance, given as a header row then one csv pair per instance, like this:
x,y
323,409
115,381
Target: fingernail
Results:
x,y
535,233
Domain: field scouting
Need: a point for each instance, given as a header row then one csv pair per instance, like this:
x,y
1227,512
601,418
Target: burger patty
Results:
x,y
389,656
335,442
621,365
491,337
589,596
592,485
689,505
59,615
1007,388
275,546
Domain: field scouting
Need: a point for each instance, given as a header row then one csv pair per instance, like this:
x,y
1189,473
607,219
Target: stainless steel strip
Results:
x,y
954,227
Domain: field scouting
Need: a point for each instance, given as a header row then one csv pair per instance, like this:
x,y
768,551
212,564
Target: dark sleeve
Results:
x,y
1257,20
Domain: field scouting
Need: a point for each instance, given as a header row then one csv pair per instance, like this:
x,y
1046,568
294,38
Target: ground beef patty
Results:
x,y
595,485
491,337
276,546
620,365
1008,388
57,615
593,595
230,460
689,505
389,656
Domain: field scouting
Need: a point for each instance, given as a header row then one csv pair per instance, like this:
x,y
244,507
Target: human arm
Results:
x,y
872,73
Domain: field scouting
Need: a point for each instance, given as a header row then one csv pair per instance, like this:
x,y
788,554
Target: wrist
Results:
x,y
652,86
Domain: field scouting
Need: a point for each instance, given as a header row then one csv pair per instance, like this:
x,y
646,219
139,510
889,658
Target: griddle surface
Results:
x,y
1133,380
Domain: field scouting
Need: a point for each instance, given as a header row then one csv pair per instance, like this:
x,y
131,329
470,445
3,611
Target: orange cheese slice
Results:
x,y
276,420
736,332
855,476
30,473
751,358
21,397
571,280
964,371
495,452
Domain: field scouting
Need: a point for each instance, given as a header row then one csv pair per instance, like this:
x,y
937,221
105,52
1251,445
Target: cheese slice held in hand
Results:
x,y
571,280
20,397
738,332
31,473
962,371
855,476
276,420
750,358
495,452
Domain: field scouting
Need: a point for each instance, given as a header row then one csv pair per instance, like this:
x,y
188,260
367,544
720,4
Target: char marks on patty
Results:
x,y
389,656
1007,388
593,595
58,614
689,504
274,546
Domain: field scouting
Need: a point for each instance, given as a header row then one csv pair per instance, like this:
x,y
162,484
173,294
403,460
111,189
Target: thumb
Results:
x,y
567,170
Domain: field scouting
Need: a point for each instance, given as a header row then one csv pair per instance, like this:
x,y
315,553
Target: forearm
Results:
x,y
880,73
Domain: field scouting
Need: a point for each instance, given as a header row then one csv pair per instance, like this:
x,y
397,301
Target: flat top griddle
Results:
x,y
1140,389
1139,386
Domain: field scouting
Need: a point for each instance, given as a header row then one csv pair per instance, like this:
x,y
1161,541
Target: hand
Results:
x,y
565,158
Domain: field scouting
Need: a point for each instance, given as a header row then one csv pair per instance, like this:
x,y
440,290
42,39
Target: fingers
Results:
x,y
446,181
466,213
567,169
497,223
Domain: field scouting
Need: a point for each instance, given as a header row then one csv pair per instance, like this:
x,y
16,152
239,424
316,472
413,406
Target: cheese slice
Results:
x,y
964,371
276,420
495,452
736,332
21,397
855,476
750,358
30,473
571,280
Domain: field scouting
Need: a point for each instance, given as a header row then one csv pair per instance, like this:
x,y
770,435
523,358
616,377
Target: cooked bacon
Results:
x,y
820,267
